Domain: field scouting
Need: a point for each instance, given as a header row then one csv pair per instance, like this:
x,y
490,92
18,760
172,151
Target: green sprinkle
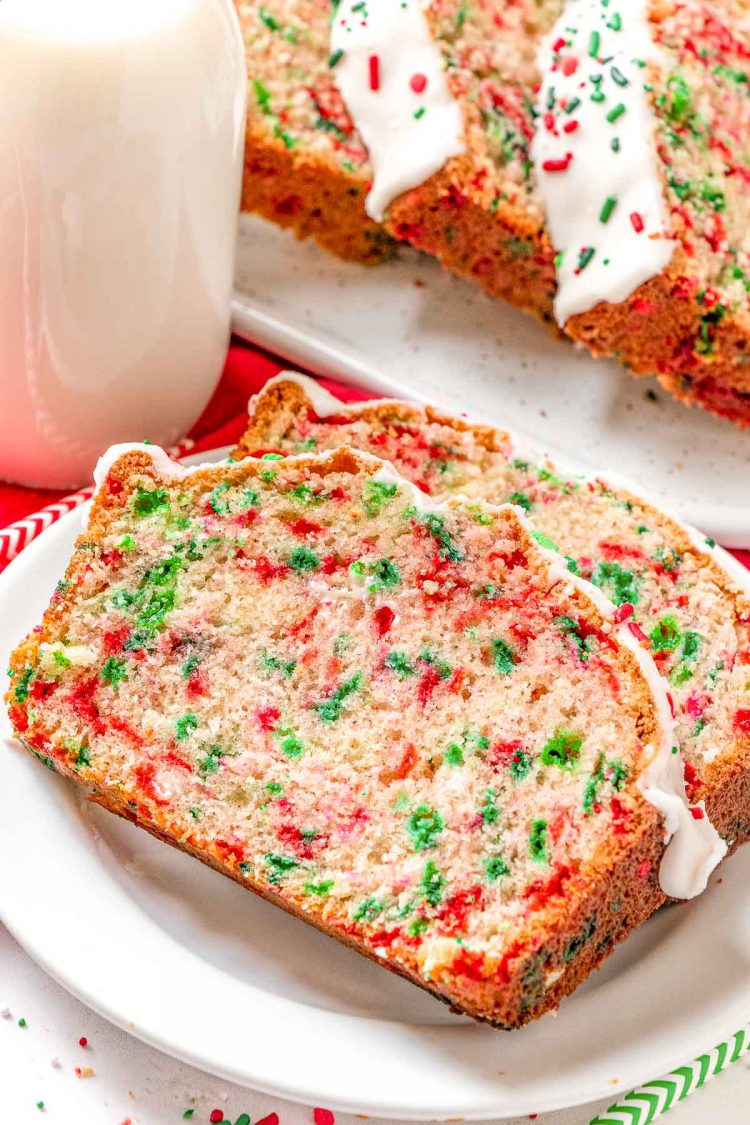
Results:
x,y
495,867
585,257
562,750
419,113
399,663
447,547
291,745
520,765
621,585
210,763
607,208
681,97
184,727
503,656
114,670
83,758
598,95
319,889
489,811
521,499
330,709
369,910
594,40
615,112
272,457
544,541
614,144
666,634
303,494
188,1114
335,58
279,865
572,105
22,1022
614,23
21,690
127,543
538,841
385,575
432,883
376,494
424,826
266,18
146,502
618,77
303,559
454,755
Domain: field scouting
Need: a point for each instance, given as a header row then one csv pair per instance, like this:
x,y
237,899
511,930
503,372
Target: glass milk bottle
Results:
x,y
121,154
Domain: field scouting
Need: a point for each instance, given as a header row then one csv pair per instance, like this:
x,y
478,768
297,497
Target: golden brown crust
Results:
x,y
624,895
312,196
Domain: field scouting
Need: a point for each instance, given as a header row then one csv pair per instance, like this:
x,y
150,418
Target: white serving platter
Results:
x,y
195,965
408,329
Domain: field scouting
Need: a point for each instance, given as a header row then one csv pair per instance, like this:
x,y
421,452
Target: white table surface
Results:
x,y
133,1084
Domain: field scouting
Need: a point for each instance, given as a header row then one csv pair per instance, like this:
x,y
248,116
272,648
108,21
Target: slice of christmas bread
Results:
x,y
408,723
582,159
668,581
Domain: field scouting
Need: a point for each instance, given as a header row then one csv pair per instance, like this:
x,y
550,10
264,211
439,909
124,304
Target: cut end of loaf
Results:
x,y
400,721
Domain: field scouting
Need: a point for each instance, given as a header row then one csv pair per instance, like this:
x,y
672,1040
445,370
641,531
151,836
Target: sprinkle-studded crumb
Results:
x,y
664,580
403,723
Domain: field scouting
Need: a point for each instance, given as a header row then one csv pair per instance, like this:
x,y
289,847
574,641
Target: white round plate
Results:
x,y
195,965
409,329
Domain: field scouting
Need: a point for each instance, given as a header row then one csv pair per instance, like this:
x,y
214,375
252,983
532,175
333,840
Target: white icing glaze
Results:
x,y
162,461
408,132
322,401
575,198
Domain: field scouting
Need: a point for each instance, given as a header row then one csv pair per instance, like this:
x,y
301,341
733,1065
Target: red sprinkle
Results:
x,y
384,619
270,1119
670,701
623,612
323,1117
570,126
558,44
569,65
217,1115
558,165
418,83
374,72
83,1041
698,814
636,220
643,869
637,632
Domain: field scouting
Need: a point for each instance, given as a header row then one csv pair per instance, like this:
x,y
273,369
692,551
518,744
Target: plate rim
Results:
x,y
715,1024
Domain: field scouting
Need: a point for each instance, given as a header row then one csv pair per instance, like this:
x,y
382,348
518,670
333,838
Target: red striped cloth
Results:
x,y
25,512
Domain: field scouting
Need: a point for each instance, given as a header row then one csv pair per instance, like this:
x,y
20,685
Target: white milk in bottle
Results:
x,y
121,152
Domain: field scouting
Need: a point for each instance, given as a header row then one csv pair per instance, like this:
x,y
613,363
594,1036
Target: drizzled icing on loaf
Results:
x,y
390,74
595,155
